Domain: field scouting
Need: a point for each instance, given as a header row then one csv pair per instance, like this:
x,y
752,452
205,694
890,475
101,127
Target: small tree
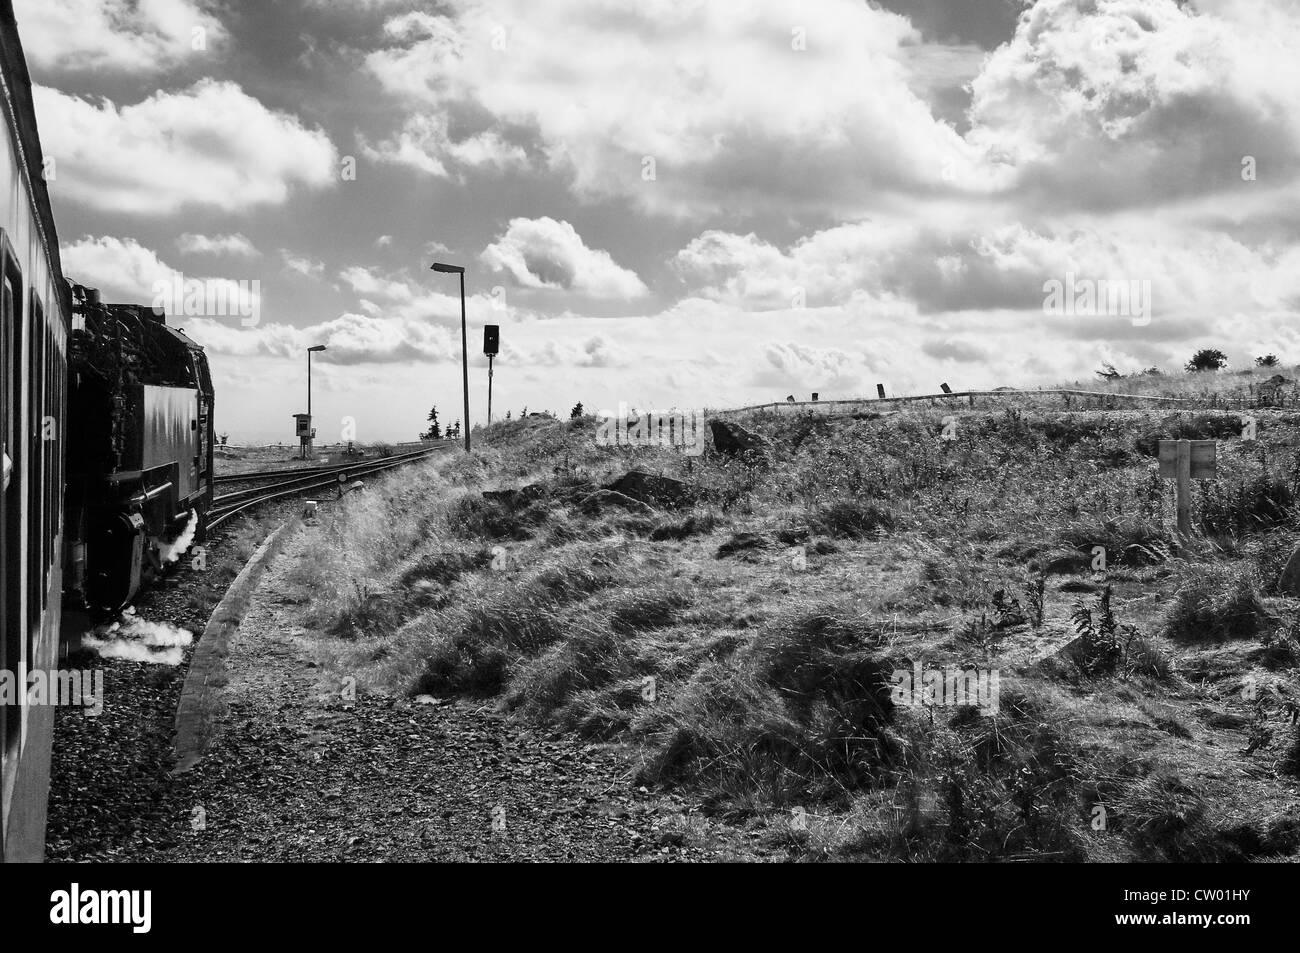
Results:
x,y
1108,373
435,430
453,431
576,412
1268,360
507,415
1208,359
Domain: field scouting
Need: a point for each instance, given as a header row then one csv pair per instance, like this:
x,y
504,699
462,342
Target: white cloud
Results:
x,y
545,253
301,265
722,98
424,143
808,369
972,265
131,36
365,281
349,339
210,145
236,244
126,272
1119,103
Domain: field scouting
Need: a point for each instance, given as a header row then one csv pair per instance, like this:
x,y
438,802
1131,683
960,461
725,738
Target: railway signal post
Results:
x,y
491,346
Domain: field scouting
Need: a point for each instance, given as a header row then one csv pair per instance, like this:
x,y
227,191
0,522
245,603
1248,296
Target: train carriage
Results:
x,y
35,323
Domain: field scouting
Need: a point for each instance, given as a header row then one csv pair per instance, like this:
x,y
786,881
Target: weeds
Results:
x,y
1215,605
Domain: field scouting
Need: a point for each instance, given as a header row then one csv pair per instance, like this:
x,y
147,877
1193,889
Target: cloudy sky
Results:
x,y
675,203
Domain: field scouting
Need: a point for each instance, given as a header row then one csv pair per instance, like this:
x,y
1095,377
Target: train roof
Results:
x,y
22,119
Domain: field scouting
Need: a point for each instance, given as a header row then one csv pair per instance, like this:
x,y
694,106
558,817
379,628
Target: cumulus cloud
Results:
x,y
131,36
301,264
210,145
595,351
127,272
970,266
545,253
962,352
236,244
802,367
350,339
686,107
395,294
425,144
1120,103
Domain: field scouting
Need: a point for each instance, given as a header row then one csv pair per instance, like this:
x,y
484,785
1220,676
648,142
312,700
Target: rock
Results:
x,y
1289,585
741,543
733,440
603,499
651,488
1062,562
515,498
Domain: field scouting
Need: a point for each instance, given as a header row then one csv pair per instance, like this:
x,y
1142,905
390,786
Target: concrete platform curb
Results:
x,y
200,703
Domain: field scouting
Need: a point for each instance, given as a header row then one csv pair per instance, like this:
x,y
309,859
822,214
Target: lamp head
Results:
x,y
447,269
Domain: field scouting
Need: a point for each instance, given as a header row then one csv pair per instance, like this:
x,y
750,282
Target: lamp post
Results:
x,y
464,343
311,429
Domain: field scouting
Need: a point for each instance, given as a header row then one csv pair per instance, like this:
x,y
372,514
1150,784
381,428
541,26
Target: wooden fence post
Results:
x,y
1183,475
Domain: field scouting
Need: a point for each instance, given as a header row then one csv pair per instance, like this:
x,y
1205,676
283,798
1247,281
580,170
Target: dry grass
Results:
x,y
742,647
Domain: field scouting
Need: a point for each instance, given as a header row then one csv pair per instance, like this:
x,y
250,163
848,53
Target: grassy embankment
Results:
x,y
742,644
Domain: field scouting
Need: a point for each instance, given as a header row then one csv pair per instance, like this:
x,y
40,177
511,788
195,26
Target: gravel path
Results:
x,y
297,772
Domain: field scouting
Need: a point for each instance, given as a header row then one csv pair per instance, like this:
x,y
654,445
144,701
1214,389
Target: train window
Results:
x,y
36,483
48,437
11,542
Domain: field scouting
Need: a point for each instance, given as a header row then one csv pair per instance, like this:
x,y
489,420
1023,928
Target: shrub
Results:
x,y
798,712
445,568
1214,606
851,519
696,524
1187,427
1207,359
475,517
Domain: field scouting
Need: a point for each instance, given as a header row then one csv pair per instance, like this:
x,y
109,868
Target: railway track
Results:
x,y
253,476
293,482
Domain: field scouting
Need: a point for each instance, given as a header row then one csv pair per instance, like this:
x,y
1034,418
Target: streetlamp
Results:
x,y
464,343
311,429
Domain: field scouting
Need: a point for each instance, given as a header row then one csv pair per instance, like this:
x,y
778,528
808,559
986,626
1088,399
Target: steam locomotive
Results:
x,y
104,403
139,458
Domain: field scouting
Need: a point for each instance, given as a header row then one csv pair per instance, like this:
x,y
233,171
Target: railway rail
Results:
x,y
296,481
253,476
